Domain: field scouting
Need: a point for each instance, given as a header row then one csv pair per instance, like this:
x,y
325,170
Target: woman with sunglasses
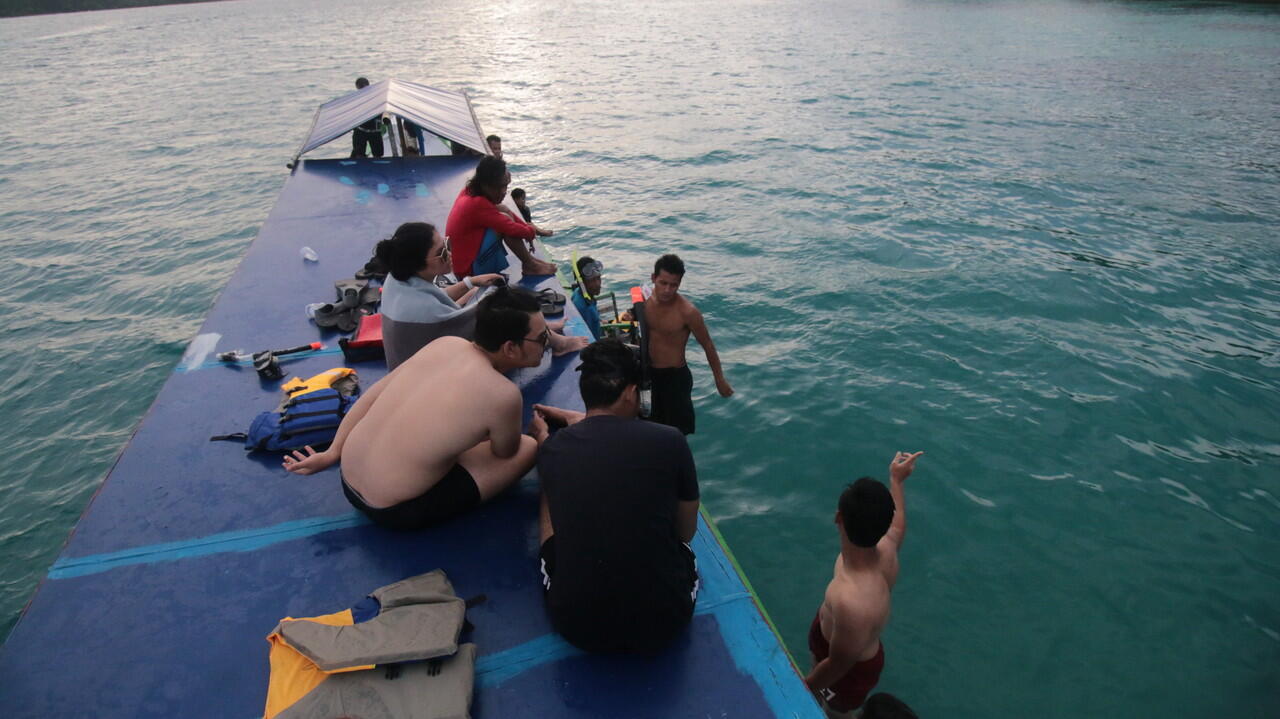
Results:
x,y
415,311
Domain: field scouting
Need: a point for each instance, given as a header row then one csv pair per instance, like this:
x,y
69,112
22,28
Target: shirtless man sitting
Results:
x,y
441,433
844,638
671,319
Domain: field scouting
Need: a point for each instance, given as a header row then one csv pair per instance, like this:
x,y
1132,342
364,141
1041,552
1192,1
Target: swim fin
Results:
x,y
373,269
349,291
338,316
370,296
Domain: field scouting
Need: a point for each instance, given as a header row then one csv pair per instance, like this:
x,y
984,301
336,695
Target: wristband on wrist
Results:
x,y
467,281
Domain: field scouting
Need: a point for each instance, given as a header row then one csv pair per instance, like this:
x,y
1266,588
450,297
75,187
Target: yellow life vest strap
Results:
x,y
297,386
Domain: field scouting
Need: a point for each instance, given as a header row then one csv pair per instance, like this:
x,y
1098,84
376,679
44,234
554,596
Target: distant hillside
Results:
x,y
11,8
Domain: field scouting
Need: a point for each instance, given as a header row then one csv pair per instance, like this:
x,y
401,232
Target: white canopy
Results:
x,y
443,112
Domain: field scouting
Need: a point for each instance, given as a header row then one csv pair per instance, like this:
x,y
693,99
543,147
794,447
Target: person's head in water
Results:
x,y
592,274
361,83
668,272
490,180
610,377
510,327
495,145
517,196
866,511
416,248
885,706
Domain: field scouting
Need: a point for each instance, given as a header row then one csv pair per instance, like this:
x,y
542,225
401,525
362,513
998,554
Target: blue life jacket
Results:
x,y
309,417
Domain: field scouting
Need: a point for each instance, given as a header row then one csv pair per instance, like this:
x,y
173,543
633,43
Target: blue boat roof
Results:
x,y
192,551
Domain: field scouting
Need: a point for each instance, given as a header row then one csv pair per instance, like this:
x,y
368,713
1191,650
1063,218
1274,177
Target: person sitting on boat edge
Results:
x,y
495,145
590,278
416,311
518,196
441,433
369,133
619,508
479,228
844,638
671,319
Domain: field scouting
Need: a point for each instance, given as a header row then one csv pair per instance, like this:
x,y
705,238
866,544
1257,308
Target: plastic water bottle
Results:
x,y
309,255
646,402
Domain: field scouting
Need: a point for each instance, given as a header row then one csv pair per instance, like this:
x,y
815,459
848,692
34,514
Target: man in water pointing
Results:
x,y
844,638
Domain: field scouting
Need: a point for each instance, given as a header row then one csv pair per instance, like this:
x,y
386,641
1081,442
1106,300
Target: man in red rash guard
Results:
x,y
477,228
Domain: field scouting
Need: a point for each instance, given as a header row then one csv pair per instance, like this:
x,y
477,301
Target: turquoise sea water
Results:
x,y
1037,240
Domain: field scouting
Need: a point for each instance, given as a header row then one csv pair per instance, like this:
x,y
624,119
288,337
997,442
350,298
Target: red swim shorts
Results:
x,y
852,689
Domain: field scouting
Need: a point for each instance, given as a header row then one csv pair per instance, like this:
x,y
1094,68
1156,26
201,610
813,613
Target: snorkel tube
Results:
x,y
266,362
646,380
582,284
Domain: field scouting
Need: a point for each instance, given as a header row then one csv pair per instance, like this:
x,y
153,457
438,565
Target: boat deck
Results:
x,y
192,550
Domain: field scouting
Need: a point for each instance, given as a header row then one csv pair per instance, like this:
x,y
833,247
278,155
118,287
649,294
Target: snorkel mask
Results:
x,y
592,269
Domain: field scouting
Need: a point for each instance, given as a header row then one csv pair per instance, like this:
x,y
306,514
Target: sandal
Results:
x,y
550,301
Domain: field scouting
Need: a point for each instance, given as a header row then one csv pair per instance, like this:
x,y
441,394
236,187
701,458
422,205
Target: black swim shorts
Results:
x,y
672,397
626,623
454,494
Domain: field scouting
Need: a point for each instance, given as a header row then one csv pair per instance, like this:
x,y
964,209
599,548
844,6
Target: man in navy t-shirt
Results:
x,y
619,506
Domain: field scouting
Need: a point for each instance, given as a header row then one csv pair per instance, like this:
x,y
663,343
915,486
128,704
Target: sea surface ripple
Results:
x,y
1036,240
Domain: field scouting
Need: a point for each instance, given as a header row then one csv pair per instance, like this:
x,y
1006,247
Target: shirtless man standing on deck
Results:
x,y
441,433
671,319
844,638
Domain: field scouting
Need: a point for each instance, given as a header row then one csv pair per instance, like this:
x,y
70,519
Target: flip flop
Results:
x,y
550,301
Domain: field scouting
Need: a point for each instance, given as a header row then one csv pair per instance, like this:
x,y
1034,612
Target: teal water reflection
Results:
x,y
1037,241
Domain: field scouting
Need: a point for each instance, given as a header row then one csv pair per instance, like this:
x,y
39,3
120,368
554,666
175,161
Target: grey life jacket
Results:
x,y
420,619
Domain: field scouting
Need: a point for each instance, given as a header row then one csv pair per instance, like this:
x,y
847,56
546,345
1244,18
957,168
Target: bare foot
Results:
x,y
538,267
564,344
557,416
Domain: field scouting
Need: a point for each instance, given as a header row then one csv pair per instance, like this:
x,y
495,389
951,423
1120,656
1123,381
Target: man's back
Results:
x,y
861,596
612,486
438,404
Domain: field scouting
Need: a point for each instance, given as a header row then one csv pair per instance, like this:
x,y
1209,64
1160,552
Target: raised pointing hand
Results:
x,y
902,465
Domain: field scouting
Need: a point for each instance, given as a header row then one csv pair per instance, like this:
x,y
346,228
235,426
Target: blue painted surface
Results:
x,y
241,541
193,550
